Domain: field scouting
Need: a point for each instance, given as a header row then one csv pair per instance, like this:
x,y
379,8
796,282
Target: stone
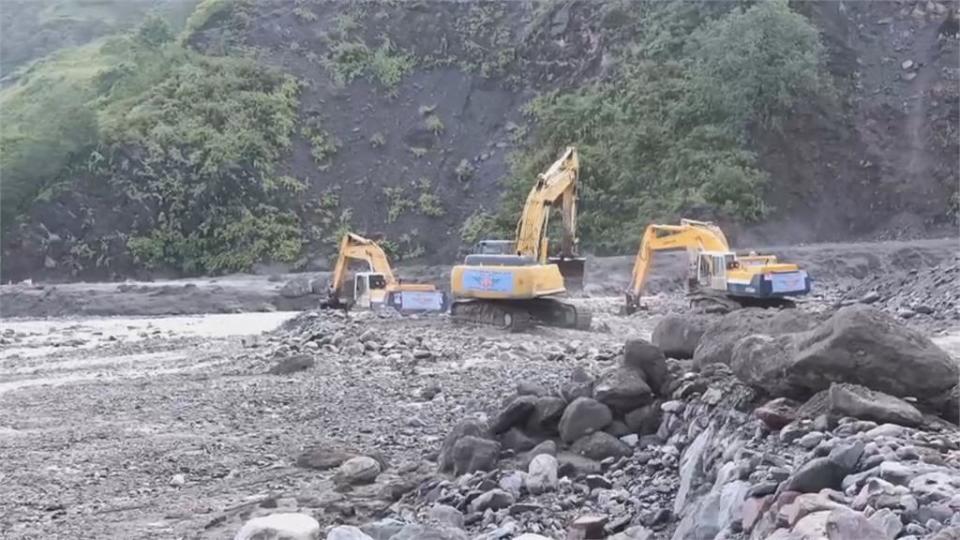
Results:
x,y
582,417
637,532
446,515
846,524
752,509
600,445
531,536
542,474
813,526
805,504
678,336
358,470
515,439
472,454
580,385
814,475
861,345
515,413
512,482
415,531
587,527
871,296
292,364
493,499
935,486
595,481
323,456
906,64
866,404
645,420
811,439
297,287
691,462
762,489
347,532
546,414
617,429
717,342
623,390
887,522
526,388
383,529
641,355
546,447
285,526
777,413
574,465
464,428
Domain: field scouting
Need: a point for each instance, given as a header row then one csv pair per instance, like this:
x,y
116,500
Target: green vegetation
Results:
x,y
377,140
479,225
398,201
464,170
416,196
189,138
322,146
430,205
384,65
669,136
434,124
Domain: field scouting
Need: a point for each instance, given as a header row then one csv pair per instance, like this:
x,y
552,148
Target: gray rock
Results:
x,y
691,466
516,439
472,454
888,522
347,532
512,482
648,359
816,474
358,470
582,417
515,413
323,456
617,429
580,385
623,390
644,420
383,529
574,465
870,297
845,524
464,428
446,515
717,342
637,532
283,526
542,474
546,447
811,439
600,445
678,336
292,364
296,288
861,402
494,499
526,388
423,532
546,414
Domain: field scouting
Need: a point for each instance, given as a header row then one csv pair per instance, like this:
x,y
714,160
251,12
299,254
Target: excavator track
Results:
x,y
520,315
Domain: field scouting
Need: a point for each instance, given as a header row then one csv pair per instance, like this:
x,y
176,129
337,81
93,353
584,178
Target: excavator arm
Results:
x,y
690,235
556,185
354,247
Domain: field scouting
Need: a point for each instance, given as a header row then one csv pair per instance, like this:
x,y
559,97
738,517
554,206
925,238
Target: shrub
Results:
x,y
434,124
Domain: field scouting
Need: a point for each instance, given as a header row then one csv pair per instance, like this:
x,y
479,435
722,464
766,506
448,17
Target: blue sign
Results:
x,y
485,280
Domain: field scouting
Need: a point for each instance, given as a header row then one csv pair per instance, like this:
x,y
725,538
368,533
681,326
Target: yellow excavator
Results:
x,y
717,276
376,288
513,283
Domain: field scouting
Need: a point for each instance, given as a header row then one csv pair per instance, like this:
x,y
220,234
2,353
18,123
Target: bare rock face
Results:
x,y
717,342
678,336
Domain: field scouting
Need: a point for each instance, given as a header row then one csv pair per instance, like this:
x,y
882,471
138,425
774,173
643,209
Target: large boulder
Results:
x,y
862,345
515,413
642,355
472,454
623,390
644,420
358,470
865,404
582,417
468,427
347,532
542,474
717,342
600,445
546,415
678,336
858,345
283,526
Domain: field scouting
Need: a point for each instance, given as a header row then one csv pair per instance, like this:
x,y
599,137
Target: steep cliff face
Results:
x,y
409,112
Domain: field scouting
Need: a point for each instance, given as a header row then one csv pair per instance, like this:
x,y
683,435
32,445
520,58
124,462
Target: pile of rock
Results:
x,y
929,295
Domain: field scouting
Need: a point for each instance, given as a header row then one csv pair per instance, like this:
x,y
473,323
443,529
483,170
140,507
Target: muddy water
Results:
x,y
58,351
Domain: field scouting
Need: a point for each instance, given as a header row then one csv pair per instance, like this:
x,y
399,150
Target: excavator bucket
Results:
x,y
572,271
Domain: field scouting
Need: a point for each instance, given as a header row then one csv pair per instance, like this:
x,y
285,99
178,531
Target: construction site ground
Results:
x,y
157,417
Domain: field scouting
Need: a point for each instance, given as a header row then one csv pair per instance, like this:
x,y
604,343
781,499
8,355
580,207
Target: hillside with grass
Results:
x,y
208,137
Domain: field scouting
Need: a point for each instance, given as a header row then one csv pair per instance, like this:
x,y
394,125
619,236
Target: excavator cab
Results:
x,y
369,289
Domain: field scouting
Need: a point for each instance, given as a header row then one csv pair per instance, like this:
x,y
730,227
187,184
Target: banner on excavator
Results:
x,y
490,281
